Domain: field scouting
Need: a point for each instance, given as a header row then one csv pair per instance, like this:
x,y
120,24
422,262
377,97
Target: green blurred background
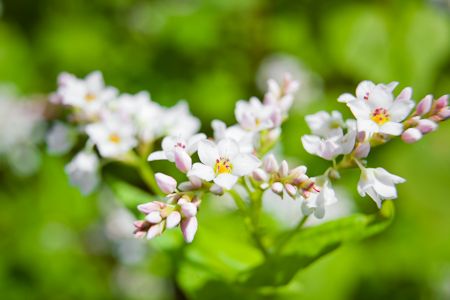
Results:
x,y
56,244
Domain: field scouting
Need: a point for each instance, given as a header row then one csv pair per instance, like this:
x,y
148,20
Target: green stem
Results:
x,y
289,236
148,177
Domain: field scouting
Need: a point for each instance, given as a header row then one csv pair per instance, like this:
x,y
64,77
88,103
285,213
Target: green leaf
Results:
x,y
310,244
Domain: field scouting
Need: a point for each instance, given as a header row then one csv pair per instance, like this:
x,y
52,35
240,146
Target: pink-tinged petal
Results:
x,y
157,155
344,98
270,164
228,148
291,190
380,97
192,143
391,128
225,180
166,183
189,228
424,105
260,175
360,109
284,169
311,143
441,102
277,188
390,86
189,210
347,142
182,160
400,109
383,175
364,88
216,190
207,152
405,94
202,171
173,219
411,135
244,164
155,230
146,208
94,81
362,150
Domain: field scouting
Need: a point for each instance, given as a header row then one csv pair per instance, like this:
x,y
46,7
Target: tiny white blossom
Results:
x,y
379,184
325,124
253,115
364,89
329,148
172,143
89,95
317,201
83,171
60,138
178,121
223,163
245,139
378,112
112,136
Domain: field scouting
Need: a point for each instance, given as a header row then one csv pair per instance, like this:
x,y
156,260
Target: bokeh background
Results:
x,y
57,244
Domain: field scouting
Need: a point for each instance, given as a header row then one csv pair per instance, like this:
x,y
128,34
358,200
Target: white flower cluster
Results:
x,y
114,123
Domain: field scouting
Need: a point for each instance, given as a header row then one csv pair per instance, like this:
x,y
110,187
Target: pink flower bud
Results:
x,y
291,190
189,210
362,150
149,207
173,219
361,136
259,175
426,126
154,217
444,113
276,117
189,228
284,169
155,230
182,160
411,135
300,179
277,188
270,164
441,102
424,105
166,183
298,171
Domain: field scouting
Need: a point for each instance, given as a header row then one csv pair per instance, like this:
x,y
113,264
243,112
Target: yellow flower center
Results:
x,y
90,97
380,116
114,138
223,165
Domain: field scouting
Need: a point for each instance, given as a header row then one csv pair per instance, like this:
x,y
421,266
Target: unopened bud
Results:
x,y
154,217
284,169
189,228
155,230
270,164
424,105
405,94
166,183
173,219
426,126
444,114
277,188
189,210
182,160
362,150
216,189
298,171
441,102
291,190
411,135
259,175
149,207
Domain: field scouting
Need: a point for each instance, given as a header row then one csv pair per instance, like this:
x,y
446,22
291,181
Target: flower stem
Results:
x,y
290,234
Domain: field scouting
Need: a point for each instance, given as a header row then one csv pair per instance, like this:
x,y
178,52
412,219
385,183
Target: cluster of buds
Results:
x,y
282,180
180,210
426,117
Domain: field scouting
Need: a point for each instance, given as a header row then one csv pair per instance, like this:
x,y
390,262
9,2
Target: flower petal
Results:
x,y
192,143
207,152
391,128
228,148
364,88
244,164
359,108
400,109
157,155
346,98
225,180
202,171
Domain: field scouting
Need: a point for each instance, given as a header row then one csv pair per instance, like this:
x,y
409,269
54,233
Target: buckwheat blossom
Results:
x,y
223,163
364,89
60,138
83,171
325,124
172,144
281,95
379,184
253,115
178,121
246,139
112,136
378,112
88,95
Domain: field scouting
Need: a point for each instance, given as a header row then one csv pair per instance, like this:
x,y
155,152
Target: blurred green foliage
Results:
x,y
210,52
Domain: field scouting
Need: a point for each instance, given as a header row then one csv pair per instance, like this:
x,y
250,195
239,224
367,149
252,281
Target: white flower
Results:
x,y
325,124
88,95
172,143
317,201
380,113
379,184
112,136
83,171
252,115
245,139
60,138
178,121
364,89
223,163
281,95
331,147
